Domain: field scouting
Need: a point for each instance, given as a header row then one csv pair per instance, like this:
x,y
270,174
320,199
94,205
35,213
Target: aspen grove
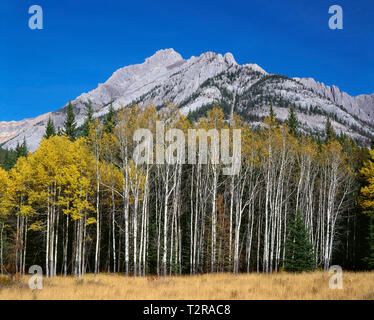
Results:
x,y
80,204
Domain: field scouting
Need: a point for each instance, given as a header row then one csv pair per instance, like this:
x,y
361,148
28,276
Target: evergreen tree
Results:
x,y
369,259
372,144
50,129
87,122
272,114
10,159
319,141
293,122
21,149
70,126
342,137
299,250
329,130
109,121
59,132
190,117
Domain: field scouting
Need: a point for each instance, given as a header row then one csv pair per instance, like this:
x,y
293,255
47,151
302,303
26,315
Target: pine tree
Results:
x,y
319,141
50,129
190,117
109,121
59,132
369,259
70,126
293,122
299,250
272,114
10,159
329,130
21,149
87,122
342,137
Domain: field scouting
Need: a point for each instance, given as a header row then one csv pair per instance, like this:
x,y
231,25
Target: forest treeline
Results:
x,y
80,204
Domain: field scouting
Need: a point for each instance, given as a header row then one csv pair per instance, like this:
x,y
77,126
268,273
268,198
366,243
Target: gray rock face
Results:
x,y
205,80
366,104
361,106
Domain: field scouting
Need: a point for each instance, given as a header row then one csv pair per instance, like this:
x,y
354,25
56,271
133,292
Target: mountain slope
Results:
x,y
206,80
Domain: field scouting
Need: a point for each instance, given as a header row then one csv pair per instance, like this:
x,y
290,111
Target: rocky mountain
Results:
x,y
200,82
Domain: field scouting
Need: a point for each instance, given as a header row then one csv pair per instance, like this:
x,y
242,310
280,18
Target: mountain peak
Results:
x,y
164,57
230,58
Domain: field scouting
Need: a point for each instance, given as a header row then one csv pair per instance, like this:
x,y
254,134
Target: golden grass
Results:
x,y
202,287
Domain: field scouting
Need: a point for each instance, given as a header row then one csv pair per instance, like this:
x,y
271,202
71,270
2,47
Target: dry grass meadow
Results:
x,y
203,287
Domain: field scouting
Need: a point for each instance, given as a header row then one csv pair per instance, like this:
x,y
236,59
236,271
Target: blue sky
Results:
x,y
83,42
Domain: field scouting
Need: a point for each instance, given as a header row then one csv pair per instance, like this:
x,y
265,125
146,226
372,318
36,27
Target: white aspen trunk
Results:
x,y
258,240
141,239
191,221
214,221
250,234
113,231
180,239
17,242
97,258
278,209
81,255
24,248
84,236
52,236
135,230
126,214
158,222
203,198
119,247
164,255
176,245
66,246
56,241
78,251
238,219
196,218
231,212
52,246
266,244
47,240
176,204
78,246
145,234
171,243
